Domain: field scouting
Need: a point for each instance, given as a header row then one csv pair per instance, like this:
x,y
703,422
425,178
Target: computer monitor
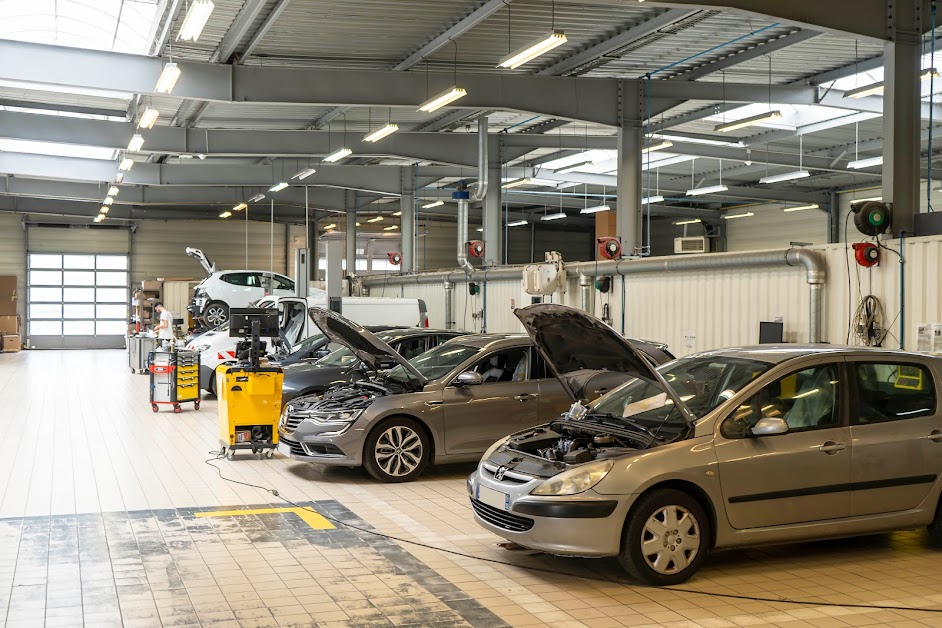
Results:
x,y
771,333
240,322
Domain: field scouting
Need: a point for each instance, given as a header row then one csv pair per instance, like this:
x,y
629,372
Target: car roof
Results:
x,y
776,354
487,341
407,332
249,270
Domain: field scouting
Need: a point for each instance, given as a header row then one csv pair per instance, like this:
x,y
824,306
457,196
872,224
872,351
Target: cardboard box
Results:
x,y
8,295
12,344
150,284
9,325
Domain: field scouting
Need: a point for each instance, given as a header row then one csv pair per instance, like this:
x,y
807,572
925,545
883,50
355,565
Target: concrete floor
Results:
x,y
103,522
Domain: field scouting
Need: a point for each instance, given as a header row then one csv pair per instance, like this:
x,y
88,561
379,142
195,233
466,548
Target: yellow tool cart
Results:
x,y
174,378
250,391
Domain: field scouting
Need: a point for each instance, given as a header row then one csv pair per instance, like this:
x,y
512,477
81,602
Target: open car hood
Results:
x,y
577,346
200,257
364,343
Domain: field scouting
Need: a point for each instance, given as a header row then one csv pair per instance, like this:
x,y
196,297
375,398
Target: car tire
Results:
x,y
666,538
396,450
935,528
215,314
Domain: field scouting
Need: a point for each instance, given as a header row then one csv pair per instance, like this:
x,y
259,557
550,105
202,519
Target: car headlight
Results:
x,y
343,416
576,480
494,447
202,348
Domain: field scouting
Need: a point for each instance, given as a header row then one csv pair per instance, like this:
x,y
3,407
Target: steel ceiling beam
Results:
x,y
238,30
263,29
747,54
41,106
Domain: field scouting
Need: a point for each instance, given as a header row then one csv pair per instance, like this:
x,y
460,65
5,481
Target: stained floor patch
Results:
x,y
257,566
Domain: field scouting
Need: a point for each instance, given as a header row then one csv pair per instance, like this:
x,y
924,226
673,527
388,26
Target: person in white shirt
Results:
x,y
164,326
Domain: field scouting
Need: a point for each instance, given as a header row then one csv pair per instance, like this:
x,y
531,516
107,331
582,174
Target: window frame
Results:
x,y
480,359
854,419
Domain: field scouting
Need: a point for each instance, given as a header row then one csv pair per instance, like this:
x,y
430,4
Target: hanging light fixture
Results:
x,y
113,191
516,183
706,141
438,203
376,219
391,228
799,208
658,146
168,78
595,210
137,141
692,221
126,164
196,17
148,118
257,198
517,223
225,214
379,134
108,200
785,176
304,174
397,213
278,187
240,207
338,155
877,88
104,209
556,216
99,217
574,167
726,127
533,50
332,225
448,96
710,189
733,216
119,177
869,162
648,200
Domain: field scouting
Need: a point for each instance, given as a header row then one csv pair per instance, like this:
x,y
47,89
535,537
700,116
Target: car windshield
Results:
x,y
702,383
345,356
308,342
435,363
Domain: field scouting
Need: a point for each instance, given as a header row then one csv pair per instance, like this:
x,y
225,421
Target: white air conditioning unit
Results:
x,y
545,278
698,244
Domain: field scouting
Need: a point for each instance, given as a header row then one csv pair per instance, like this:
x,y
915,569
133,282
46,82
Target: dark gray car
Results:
x,y
307,377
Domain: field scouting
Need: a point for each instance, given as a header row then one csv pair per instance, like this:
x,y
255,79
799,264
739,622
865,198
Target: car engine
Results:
x,y
353,396
570,444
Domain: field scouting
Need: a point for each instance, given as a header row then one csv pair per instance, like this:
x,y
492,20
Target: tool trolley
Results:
x,y
139,348
174,379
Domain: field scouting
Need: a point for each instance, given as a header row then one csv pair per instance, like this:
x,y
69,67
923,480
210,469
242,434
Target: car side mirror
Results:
x,y
469,378
769,426
385,364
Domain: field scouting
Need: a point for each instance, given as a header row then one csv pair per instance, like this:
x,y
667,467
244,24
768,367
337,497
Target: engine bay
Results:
x,y
570,443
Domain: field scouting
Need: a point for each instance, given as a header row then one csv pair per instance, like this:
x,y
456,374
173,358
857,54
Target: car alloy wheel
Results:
x,y
666,537
215,315
397,450
670,540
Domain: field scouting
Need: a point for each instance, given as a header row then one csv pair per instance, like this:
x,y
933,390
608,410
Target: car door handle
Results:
x,y
433,404
830,447
526,397
935,436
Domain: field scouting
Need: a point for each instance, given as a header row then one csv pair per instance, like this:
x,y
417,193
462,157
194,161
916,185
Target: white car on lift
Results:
x,y
297,327
225,289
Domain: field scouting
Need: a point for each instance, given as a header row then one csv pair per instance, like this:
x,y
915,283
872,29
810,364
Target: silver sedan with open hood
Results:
x,y
715,450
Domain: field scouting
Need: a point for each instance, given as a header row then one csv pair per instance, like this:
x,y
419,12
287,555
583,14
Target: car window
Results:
x,y
893,392
293,315
436,363
509,365
807,400
411,347
282,283
239,279
539,369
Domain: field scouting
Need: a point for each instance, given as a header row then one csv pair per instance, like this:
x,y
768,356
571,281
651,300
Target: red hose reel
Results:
x,y
609,247
867,254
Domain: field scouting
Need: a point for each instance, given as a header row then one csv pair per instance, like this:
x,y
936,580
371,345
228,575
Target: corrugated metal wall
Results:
x,y
13,257
158,248
44,238
771,228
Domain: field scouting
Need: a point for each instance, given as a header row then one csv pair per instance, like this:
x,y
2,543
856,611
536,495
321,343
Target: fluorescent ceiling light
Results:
x,y
732,216
647,200
304,174
137,141
785,176
358,224
379,134
332,225
126,164
701,140
799,208
726,127
391,228
113,191
869,162
877,88
517,223
376,219
433,204
104,209
595,210
658,146
196,18
256,198
533,50
148,118
450,95
692,221
168,78
864,200
397,213
240,207
99,217
710,189
574,167
225,214
556,216
338,155
108,200
119,177
516,183
278,187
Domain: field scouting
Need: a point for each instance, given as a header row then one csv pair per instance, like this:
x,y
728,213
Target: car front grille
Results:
x,y
292,422
295,446
501,518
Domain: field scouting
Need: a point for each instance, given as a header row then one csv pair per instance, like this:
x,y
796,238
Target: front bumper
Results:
x,y
337,444
587,524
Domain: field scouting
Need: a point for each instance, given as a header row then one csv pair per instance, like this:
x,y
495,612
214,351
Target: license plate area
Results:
x,y
284,449
493,498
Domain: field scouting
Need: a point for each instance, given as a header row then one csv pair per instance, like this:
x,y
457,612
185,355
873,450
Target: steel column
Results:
x,y
493,246
350,234
407,219
630,138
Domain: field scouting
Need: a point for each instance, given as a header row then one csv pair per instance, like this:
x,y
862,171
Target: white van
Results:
x,y
216,346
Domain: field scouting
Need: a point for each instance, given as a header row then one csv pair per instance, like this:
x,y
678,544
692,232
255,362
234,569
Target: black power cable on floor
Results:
x,y
733,596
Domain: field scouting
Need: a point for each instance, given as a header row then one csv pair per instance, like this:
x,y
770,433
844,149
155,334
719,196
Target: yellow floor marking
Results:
x,y
310,517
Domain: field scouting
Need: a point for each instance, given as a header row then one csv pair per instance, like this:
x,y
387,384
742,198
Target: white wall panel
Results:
x,y
771,228
78,239
13,257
